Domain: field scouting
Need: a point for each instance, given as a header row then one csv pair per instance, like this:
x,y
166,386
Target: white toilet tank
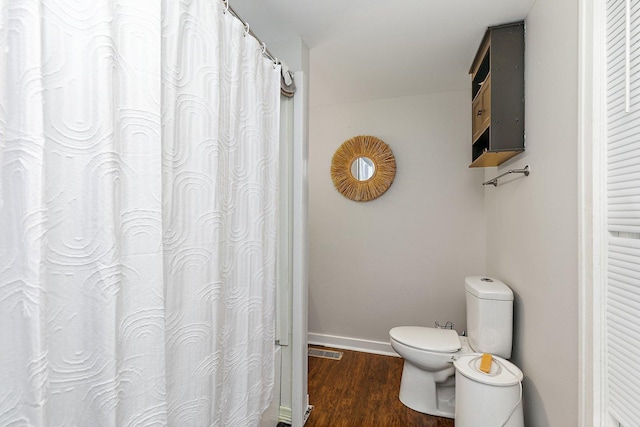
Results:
x,y
489,315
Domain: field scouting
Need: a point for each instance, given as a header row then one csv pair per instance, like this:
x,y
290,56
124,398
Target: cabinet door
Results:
x,y
481,110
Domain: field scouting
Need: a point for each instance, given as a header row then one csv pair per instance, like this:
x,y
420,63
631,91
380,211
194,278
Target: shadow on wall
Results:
x,y
531,399
517,315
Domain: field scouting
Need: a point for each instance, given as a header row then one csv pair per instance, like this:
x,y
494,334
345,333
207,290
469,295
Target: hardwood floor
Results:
x,y
361,390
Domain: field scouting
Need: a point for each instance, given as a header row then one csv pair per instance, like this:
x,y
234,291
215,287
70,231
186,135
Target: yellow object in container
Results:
x,y
485,363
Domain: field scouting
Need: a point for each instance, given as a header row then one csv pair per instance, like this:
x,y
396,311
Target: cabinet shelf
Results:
x,y
497,93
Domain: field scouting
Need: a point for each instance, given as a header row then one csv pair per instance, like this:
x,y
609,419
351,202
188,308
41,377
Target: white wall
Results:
x,y
532,223
400,259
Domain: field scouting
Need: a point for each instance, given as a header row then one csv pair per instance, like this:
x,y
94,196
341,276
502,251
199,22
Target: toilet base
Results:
x,y
427,392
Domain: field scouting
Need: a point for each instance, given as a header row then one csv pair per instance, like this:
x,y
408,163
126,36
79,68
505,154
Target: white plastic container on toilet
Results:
x,y
491,399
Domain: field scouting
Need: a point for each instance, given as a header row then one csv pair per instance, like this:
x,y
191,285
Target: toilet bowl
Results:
x,y
428,375
427,383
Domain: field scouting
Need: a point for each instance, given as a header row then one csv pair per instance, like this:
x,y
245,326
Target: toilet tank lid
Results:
x,y
488,288
425,338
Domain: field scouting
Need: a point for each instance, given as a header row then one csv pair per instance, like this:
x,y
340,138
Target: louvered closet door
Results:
x,y
622,288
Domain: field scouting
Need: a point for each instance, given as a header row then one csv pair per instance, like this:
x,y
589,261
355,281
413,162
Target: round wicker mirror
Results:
x,y
372,162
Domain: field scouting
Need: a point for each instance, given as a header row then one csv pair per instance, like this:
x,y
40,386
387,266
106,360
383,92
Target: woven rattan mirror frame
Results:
x,y
383,175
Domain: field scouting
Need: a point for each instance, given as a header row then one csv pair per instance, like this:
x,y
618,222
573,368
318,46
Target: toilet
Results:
x,y
428,381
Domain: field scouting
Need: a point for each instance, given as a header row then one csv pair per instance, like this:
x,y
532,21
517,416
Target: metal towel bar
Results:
x,y
494,181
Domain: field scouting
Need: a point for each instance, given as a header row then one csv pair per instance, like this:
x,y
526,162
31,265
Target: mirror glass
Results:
x,y
362,168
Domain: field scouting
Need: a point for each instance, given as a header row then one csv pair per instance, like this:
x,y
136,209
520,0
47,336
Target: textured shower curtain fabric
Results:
x,y
138,196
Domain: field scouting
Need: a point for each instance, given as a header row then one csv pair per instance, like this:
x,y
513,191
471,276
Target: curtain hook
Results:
x,y
264,48
226,6
275,62
246,29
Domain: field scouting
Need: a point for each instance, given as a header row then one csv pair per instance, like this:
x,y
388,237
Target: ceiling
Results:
x,y
374,49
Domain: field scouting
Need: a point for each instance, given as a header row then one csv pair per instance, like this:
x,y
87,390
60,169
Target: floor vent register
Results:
x,y
326,354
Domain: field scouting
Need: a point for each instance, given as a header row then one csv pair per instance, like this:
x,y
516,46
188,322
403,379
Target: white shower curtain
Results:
x,y
138,187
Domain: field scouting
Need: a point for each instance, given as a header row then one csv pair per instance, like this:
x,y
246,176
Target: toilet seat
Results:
x,y
427,339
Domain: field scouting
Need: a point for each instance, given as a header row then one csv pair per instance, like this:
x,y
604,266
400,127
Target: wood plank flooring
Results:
x,y
361,390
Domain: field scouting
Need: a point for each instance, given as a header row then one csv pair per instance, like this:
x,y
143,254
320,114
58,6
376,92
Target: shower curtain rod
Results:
x,y
248,30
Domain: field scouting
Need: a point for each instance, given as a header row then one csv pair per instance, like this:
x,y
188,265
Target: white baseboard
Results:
x,y
357,344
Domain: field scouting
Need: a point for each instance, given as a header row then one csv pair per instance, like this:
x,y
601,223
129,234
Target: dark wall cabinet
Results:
x,y
497,75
